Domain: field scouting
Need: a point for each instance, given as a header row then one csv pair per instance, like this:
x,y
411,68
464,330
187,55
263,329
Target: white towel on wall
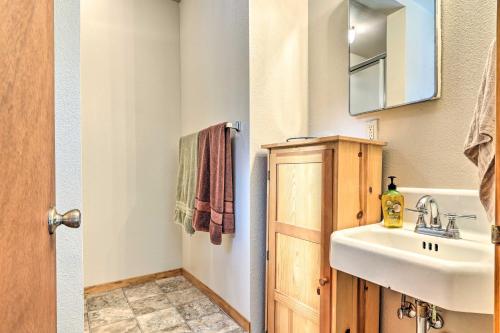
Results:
x,y
480,142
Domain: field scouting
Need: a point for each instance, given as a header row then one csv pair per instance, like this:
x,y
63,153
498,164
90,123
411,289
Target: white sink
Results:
x,y
457,275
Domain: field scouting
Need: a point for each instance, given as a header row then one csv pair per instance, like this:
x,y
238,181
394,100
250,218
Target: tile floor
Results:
x,y
166,305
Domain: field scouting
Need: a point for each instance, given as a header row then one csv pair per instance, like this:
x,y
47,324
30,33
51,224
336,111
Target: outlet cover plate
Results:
x,y
372,129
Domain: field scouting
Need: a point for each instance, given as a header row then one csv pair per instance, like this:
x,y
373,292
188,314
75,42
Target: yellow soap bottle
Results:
x,y
393,204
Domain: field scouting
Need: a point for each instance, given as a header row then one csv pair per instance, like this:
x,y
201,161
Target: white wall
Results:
x,y
68,164
278,110
328,70
131,117
214,88
426,139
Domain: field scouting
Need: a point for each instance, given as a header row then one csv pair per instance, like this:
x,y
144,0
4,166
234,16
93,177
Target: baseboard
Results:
x,y
131,281
232,312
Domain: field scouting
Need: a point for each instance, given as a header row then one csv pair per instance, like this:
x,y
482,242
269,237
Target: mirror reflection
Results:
x,y
393,48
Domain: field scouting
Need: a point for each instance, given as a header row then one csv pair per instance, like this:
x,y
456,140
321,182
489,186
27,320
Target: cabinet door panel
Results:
x,y
298,251
282,318
299,194
297,269
303,325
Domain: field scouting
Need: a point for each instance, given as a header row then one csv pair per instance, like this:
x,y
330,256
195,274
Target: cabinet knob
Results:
x,y
323,281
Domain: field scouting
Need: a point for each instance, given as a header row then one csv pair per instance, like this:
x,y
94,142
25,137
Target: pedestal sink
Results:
x,y
454,274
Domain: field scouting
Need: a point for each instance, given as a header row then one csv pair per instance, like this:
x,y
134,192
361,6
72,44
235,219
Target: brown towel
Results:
x,y
480,142
214,194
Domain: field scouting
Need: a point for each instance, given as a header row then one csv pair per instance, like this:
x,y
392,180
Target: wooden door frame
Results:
x,y
497,186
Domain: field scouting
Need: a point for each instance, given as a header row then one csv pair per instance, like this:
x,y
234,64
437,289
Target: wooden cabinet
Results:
x,y
315,187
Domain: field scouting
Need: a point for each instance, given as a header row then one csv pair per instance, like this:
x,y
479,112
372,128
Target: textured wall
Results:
x,y
131,126
68,164
214,88
278,110
426,139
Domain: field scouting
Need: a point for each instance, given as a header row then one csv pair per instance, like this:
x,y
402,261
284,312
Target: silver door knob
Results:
x,y
71,219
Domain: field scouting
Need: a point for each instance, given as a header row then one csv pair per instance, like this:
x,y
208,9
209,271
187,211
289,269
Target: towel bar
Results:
x,y
235,125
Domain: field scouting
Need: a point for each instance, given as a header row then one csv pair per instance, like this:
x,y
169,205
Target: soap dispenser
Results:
x,y
393,206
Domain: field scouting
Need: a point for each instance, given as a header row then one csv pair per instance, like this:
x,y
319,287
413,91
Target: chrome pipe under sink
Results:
x,y
427,317
421,318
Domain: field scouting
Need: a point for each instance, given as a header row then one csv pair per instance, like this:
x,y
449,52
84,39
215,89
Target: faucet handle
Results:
x,y
420,210
454,216
452,229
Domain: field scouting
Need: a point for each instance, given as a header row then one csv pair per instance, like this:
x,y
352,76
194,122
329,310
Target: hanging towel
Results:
x,y
186,181
480,142
214,195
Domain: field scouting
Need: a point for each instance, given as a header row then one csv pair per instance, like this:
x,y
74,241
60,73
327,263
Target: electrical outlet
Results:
x,y
372,129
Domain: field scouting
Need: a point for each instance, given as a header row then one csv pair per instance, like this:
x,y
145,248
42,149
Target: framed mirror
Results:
x,y
394,53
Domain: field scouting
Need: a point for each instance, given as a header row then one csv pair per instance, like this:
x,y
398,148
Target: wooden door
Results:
x,y
27,251
298,242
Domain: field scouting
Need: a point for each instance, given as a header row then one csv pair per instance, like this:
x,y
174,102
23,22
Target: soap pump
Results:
x,y
392,206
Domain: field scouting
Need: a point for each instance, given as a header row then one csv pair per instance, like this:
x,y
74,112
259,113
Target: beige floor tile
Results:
x,y
114,298
184,296
214,323
160,321
108,316
150,304
168,305
124,326
198,308
182,328
140,291
175,283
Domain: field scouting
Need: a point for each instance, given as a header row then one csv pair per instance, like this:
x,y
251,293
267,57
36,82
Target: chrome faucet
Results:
x,y
428,205
435,219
